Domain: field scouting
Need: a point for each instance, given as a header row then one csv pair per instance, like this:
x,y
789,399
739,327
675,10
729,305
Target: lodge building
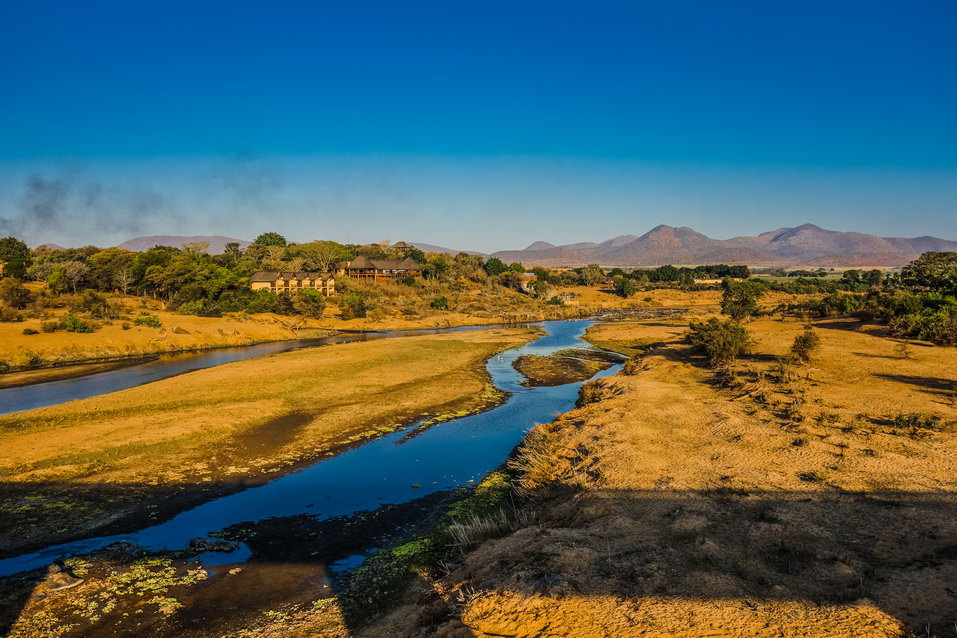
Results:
x,y
373,269
287,282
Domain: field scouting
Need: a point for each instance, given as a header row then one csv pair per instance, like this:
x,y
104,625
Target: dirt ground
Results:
x,y
95,460
758,503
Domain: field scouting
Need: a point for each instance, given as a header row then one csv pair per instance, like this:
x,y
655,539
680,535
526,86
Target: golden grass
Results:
x,y
679,506
246,418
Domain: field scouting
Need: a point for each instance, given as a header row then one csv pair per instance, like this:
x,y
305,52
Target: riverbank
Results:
x,y
50,353
681,503
74,468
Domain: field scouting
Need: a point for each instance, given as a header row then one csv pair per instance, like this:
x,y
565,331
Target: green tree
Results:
x,y
625,286
874,278
270,239
15,257
495,266
722,341
932,271
740,298
321,255
805,344
592,274
309,303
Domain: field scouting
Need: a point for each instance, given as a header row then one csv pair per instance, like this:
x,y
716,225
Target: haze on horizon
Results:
x,y
480,126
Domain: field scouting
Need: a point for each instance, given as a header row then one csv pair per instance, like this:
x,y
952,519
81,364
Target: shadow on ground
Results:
x,y
823,547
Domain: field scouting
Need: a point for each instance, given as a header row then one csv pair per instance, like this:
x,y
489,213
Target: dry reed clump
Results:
x,y
595,391
634,365
478,528
535,459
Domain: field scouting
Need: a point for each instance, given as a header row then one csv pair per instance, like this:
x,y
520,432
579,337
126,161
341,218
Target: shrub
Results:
x,y
354,306
96,305
30,331
151,321
71,323
439,303
805,344
916,424
9,314
49,326
722,341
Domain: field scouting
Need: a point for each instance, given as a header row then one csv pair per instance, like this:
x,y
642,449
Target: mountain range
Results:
x,y
805,245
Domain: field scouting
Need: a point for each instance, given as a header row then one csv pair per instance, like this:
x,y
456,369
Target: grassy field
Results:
x,y
73,467
812,501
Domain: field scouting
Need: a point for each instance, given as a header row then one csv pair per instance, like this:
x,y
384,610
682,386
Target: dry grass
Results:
x,y
236,420
557,370
799,505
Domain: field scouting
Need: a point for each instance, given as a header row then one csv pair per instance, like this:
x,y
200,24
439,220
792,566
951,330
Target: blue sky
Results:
x,y
483,125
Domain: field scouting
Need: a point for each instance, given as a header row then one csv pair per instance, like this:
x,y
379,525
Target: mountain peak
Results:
x,y
540,245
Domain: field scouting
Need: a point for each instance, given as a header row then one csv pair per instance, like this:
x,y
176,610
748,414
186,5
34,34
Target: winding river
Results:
x,y
392,469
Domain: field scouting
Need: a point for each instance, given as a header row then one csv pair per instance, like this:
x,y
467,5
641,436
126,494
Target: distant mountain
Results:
x,y
803,245
432,248
217,243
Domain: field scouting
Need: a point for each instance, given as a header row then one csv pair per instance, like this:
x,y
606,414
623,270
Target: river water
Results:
x,y
392,469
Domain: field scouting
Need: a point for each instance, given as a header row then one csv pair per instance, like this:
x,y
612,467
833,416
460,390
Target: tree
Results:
x,y
415,255
495,266
625,286
13,294
309,303
805,344
270,239
123,279
75,272
592,274
196,248
740,298
874,278
15,257
722,341
321,255
105,264
933,271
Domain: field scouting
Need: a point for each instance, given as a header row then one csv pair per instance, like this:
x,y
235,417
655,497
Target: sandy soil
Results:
x,y
97,459
759,506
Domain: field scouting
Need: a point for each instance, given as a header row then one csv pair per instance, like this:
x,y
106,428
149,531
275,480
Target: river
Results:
x,y
393,469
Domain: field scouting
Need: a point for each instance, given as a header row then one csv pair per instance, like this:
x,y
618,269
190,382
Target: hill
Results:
x,y
802,245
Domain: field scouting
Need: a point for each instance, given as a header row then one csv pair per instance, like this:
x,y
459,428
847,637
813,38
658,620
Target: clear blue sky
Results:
x,y
482,125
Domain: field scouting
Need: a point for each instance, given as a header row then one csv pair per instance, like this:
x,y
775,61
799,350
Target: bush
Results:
x,y
97,305
9,314
916,424
354,306
30,331
71,323
151,321
439,303
805,344
722,341
49,326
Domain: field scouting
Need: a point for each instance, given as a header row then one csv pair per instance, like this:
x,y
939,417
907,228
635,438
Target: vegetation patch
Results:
x,y
554,370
